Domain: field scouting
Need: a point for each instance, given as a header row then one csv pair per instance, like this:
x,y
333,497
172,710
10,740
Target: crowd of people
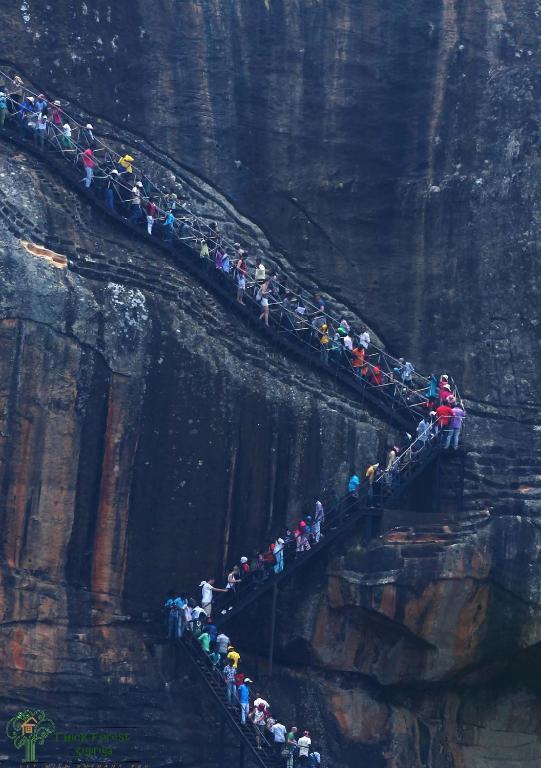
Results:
x,y
130,193
189,621
186,615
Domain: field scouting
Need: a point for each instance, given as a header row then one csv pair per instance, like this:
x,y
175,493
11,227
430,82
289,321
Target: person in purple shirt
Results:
x,y
455,425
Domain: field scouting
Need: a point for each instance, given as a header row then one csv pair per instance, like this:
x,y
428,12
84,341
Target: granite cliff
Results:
x,y
147,437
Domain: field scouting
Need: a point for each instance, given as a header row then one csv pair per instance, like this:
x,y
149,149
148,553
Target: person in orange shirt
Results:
x,y
357,360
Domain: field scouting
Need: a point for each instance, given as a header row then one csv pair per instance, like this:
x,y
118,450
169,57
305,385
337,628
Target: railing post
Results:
x,y
273,627
241,755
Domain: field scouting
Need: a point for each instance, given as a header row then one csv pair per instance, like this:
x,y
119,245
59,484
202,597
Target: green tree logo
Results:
x,y
27,729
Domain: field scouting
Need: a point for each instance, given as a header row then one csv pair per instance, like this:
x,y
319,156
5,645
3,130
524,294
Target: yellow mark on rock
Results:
x,y
56,259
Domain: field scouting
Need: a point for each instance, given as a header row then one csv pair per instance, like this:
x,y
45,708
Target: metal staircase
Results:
x,y
402,402
348,513
266,756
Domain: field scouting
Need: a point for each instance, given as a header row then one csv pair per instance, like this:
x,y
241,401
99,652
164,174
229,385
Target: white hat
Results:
x,y
89,126
66,125
244,560
115,171
280,541
31,98
56,103
138,183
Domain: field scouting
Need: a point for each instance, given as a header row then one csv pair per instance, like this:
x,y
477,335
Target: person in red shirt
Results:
x,y
444,414
376,376
89,164
152,214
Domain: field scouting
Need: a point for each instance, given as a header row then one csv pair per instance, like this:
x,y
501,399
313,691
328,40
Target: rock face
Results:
x,y
148,438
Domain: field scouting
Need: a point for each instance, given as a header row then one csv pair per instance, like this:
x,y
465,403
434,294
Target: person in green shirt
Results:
x,y
204,639
291,743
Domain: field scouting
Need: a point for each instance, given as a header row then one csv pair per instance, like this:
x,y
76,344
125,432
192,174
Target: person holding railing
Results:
x,y
86,136
66,140
260,273
364,339
151,214
444,414
40,130
405,371
125,165
26,110
391,466
136,212
424,428
89,165
241,272
357,360
263,297
454,428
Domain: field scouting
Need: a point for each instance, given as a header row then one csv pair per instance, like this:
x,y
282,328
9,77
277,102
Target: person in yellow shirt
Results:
x,y
325,341
126,163
233,657
370,476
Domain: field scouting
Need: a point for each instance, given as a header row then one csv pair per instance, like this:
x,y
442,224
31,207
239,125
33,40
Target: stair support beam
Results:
x,y
273,627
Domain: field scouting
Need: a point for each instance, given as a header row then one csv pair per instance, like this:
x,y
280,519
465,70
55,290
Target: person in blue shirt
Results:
x,y
26,110
3,108
41,104
213,632
168,224
179,604
244,699
353,484
170,623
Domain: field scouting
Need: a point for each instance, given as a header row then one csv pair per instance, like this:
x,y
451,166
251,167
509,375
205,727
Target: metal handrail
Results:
x,y
338,518
213,679
205,232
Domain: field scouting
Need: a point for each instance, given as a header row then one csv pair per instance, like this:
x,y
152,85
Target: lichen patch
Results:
x,y
56,259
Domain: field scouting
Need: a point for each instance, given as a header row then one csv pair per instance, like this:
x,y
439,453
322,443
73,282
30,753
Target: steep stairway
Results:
x,y
403,404
266,756
348,513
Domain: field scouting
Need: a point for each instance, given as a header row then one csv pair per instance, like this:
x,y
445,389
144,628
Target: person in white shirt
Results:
x,y
364,339
207,589
279,555
319,518
304,744
222,643
279,733
197,612
259,700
